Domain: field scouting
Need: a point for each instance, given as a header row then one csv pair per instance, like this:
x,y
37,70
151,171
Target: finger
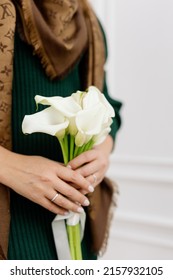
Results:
x,y
45,201
95,178
64,205
54,208
74,177
69,205
83,159
71,194
89,168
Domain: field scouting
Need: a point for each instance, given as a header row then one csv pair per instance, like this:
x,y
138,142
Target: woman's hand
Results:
x,y
40,179
93,164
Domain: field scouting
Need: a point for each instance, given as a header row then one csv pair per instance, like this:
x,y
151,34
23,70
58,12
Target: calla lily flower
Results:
x,y
46,121
67,106
98,139
93,97
95,118
89,123
78,96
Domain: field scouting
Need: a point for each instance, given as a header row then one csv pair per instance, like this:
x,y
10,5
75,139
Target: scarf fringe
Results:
x,y
113,205
35,39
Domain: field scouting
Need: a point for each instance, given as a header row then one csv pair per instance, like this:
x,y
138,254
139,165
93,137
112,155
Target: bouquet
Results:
x,y
79,122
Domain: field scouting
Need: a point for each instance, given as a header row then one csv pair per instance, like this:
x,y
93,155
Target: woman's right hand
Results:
x,y
40,179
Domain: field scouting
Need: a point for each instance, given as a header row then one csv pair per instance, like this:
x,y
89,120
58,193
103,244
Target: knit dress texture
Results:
x,y
31,235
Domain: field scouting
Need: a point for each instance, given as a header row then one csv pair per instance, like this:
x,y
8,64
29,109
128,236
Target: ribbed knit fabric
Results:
x,y
30,230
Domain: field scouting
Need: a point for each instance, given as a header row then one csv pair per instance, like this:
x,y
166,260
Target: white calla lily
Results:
x,y
98,139
78,96
82,138
109,108
46,121
93,97
72,128
89,123
67,106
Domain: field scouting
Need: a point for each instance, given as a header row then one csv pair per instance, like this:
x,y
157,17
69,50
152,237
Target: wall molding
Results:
x,y
144,169
131,225
143,160
143,229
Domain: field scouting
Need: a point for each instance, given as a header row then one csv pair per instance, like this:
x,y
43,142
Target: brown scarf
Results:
x,y
59,32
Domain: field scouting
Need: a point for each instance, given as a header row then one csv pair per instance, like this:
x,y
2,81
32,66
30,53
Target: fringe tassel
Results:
x,y
113,205
33,38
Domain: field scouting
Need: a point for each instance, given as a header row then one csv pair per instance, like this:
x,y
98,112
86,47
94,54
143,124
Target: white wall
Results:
x,y
140,73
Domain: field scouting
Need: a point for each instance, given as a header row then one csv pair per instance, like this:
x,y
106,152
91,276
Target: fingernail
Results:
x,y
69,166
80,210
66,213
86,202
91,188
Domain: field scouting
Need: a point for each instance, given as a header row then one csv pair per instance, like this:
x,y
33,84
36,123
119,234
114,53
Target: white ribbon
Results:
x,y
60,233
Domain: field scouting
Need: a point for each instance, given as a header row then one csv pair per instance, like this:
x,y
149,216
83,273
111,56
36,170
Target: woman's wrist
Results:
x,y
3,153
5,160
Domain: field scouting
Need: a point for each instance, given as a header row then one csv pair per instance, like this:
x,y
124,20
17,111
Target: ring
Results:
x,y
95,178
52,200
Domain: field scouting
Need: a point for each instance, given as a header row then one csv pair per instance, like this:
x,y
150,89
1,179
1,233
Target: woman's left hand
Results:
x,y
93,164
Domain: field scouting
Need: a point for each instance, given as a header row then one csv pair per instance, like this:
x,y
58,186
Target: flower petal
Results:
x,y
72,128
90,121
98,139
47,121
78,97
67,106
39,99
109,108
80,139
91,98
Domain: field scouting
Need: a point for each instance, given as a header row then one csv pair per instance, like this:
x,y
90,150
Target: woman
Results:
x,y
49,48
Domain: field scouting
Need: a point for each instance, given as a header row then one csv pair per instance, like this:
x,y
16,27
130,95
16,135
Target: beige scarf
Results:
x,y
59,32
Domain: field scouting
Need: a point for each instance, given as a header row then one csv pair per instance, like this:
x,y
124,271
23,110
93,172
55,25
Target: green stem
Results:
x,y
73,232
66,143
72,141
64,149
71,241
89,145
83,148
80,150
74,241
76,151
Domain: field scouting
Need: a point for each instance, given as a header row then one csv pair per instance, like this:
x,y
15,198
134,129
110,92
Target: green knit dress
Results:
x,y
30,229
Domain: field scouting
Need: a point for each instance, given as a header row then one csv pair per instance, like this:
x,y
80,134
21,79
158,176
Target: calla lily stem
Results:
x,y
74,241
64,147
73,232
72,141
